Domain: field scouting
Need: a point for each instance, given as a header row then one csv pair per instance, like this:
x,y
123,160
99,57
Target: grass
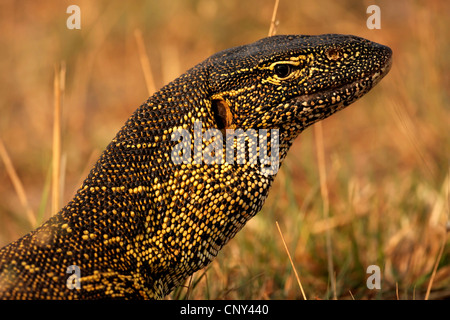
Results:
x,y
370,186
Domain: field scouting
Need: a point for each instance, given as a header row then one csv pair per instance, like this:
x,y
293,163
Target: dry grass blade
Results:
x,y
18,186
145,62
405,123
447,227
272,30
58,91
396,291
433,274
87,168
351,294
326,204
292,263
189,288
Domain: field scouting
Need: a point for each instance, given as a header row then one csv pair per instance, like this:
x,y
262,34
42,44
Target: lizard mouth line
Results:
x,y
341,95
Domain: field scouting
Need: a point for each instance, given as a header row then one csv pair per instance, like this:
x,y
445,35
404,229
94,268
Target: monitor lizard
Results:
x,y
147,217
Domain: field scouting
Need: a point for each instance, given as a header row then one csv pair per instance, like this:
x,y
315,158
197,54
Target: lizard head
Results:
x,y
289,82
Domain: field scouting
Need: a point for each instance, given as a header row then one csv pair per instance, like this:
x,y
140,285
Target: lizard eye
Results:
x,y
283,70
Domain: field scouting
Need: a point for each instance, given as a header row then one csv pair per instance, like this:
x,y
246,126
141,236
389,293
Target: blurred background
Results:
x,y
387,157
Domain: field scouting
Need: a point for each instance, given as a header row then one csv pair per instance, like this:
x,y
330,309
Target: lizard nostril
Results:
x,y
333,53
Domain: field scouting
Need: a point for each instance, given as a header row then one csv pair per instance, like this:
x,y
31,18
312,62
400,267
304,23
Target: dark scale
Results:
x,y
140,225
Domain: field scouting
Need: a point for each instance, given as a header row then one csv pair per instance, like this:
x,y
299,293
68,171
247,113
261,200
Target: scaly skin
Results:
x,y
140,224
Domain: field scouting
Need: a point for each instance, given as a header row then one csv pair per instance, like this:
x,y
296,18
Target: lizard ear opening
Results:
x,y
222,114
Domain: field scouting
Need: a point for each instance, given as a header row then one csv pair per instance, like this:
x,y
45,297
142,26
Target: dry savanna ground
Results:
x,y
379,196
